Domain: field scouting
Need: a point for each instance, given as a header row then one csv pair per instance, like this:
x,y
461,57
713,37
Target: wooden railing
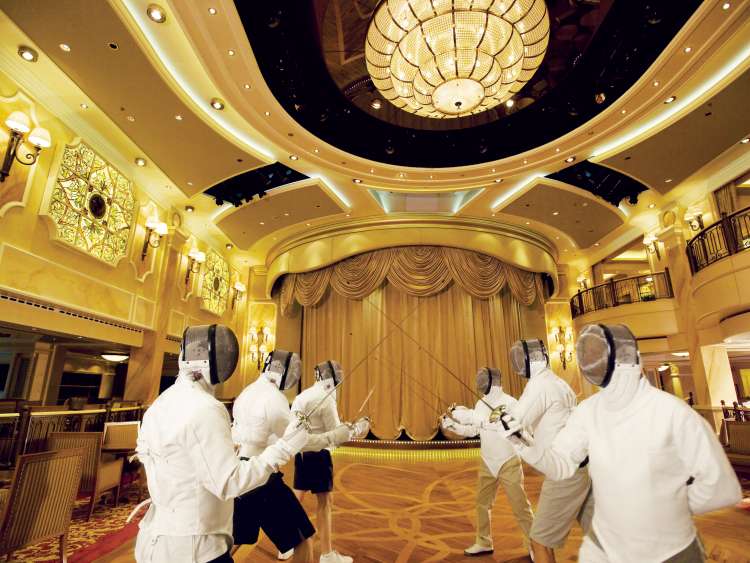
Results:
x,y
26,431
727,236
620,292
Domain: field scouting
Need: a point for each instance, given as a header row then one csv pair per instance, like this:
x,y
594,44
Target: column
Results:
x,y
145,363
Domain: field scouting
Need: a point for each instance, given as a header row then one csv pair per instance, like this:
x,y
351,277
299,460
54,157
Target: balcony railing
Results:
x,y
620,292
728,236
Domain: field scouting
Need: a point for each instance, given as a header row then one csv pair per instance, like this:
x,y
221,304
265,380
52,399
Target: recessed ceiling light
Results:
x,y
565,249
376,104
509,103
555,213
687,49
212,11
430,176
372,171
156,13
400,174
316,151
655,83
189,183
28,54
668,180
308,224
557,238
348,214
670,99
65,47
726,6
600,97
267,113
585,204
178,117
286,214
229,246
525,161
140,161
498,180
357,181
493,170
623,111
745,141
217,103
130,118
293,157
262,223
570,159
246,86
230,52
596,244
84,106
528,222
651,205
557,150
189,209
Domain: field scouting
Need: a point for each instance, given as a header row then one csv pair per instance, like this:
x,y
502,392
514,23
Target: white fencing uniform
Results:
x,y
644,446
193,474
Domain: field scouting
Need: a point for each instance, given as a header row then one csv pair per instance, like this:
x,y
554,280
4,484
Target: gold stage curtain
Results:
x,y
409,370
419,271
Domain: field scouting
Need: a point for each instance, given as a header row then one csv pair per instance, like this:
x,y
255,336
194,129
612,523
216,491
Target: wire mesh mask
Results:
x,y
287,365
211,346
486,378
601,347
330,369
525,352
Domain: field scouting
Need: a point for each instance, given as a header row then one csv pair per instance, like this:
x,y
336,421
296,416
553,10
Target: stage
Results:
x,y
418,506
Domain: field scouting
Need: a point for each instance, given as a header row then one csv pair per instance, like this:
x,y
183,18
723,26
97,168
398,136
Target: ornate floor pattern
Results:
x,y
422,510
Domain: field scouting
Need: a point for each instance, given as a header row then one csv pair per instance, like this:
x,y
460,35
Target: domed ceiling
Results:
x,y
312,56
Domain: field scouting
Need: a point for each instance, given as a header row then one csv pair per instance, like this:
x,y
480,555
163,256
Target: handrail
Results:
x,y
67,413
613,293
729,235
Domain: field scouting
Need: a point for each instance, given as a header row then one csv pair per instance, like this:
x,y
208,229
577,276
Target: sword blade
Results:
x,y
365,401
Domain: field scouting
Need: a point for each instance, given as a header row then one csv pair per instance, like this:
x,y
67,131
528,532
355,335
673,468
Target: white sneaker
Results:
x,y
335,557
477,549
286,555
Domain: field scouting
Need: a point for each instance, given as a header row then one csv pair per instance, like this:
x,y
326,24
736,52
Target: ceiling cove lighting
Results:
x,y
441,61
527,183
685,101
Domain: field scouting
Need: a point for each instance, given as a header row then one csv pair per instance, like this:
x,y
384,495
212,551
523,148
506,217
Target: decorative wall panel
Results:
x,y
215,287
92,204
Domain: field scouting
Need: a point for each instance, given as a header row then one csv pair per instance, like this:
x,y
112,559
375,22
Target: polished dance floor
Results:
x,y
419,507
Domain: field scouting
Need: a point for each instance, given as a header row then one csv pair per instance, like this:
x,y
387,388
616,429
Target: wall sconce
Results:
x,y
695,221
19,124
267,335
239,290
254,334
650,242
155,229
583,283
262,353
261,340
564,340
195,259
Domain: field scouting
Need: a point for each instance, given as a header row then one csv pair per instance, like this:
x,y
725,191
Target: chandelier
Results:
x,y
452,58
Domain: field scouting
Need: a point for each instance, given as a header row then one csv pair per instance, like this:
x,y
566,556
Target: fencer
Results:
x,y
313,470
261,415
654,462
186,448
499,464
543,409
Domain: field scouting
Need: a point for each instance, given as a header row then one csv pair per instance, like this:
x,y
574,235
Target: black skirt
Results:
x,y
313,471
274,509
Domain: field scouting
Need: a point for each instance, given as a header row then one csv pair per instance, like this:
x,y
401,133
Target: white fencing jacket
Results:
x,y
193,475
326,417
640,460
261,415
544,406
495,449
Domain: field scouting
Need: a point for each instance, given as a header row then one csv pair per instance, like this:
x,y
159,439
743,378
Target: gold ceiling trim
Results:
x,y
326,245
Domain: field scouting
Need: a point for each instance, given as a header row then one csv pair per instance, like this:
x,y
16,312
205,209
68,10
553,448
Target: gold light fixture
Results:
x,y
18,124
238,291
452,59
564,343
155,229
260,341
195,259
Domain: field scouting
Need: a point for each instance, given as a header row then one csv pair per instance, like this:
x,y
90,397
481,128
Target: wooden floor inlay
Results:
x,y
393,510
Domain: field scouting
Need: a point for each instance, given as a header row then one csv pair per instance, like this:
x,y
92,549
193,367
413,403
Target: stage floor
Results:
x,y
396,510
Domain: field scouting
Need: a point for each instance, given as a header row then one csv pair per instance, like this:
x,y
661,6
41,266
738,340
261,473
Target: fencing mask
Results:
x,y
283,368
211,349
603,348
330,373
486,378
528,357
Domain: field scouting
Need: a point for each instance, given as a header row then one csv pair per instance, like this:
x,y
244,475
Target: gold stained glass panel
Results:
x,y
92,204
215,283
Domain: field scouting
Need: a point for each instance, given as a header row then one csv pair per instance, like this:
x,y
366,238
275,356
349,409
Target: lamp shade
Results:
x,y
19,122
40,138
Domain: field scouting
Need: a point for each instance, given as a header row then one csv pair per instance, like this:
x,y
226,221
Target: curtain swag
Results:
x,y
420,271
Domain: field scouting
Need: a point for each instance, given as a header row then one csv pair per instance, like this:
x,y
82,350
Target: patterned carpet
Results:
x,y
90,540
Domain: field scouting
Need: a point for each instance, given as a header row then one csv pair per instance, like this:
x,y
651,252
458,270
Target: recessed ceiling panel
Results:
x,y
594,56
665,159
276,211
582,218
608,184
435,202
243,187
105,61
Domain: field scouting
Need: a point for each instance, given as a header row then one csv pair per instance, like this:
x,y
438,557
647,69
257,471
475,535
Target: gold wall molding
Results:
x,y
322,246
